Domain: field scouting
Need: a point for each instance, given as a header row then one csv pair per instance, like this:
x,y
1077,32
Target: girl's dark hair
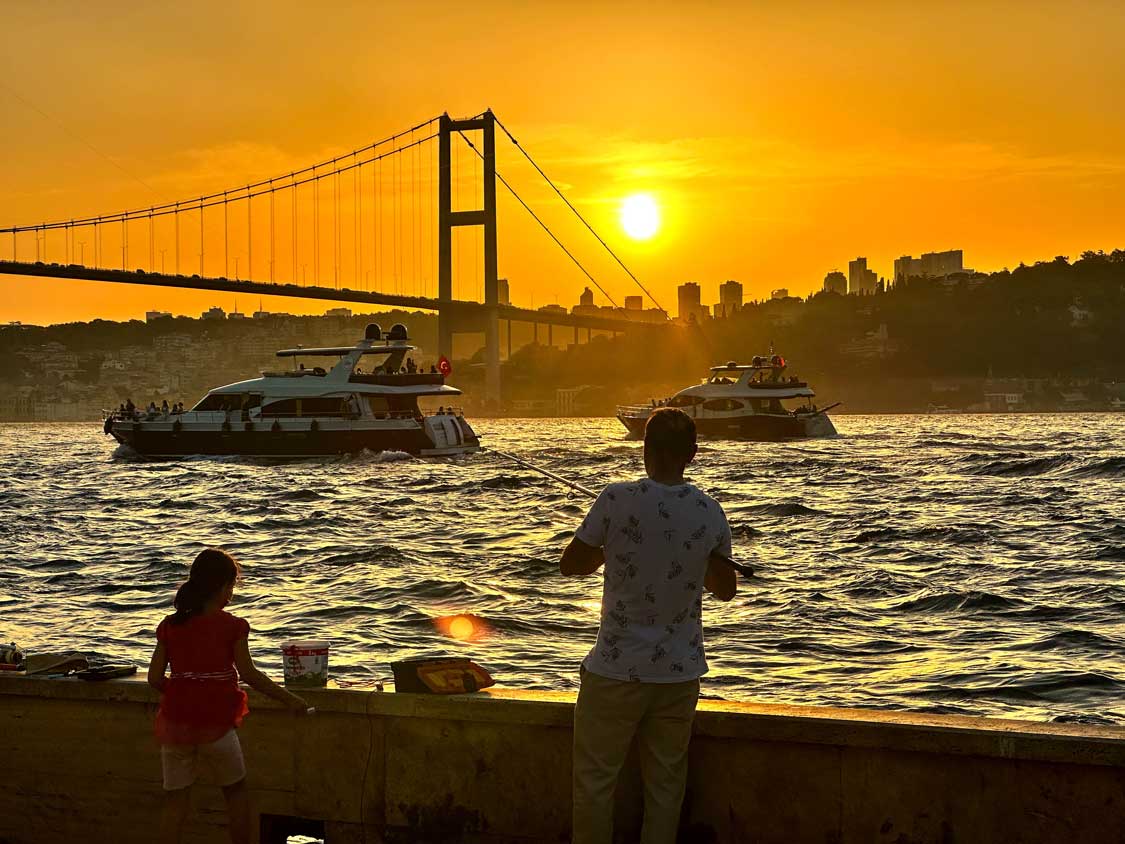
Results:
x,y
211,572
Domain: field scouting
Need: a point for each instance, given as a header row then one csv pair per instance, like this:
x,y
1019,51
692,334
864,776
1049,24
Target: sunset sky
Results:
x,y
778,140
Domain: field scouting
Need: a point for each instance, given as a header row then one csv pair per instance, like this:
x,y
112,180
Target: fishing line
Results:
x,y
744,570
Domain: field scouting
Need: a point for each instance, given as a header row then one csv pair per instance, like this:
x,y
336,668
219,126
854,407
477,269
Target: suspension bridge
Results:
x,y
377,225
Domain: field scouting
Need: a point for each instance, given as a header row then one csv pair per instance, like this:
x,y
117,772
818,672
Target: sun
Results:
x,y
640,216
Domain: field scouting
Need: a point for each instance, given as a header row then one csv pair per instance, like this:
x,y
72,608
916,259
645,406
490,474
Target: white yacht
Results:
x,y
313,411
743,401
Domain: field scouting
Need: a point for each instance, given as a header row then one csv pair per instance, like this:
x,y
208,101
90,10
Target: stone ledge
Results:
x,y
858,728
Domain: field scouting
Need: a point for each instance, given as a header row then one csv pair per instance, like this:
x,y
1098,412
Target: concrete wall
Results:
x,y
77,763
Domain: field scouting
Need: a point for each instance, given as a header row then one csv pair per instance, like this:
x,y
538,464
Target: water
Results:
x,y
938,563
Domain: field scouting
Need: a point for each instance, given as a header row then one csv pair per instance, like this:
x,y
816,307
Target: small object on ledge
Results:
x,y
107,672
54,663
11,657
440,676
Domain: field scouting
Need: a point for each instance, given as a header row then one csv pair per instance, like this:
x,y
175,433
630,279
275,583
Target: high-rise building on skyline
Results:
x,y
861,281
730,299
634,303
687,295
836,282
586,300
930,265
503,292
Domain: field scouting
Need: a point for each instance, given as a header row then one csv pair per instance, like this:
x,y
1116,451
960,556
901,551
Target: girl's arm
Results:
x,y
156,667
260,682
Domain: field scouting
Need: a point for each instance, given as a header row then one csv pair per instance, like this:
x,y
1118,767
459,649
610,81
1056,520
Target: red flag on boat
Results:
x,y
444,366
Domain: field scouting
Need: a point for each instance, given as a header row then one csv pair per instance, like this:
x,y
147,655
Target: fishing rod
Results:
x,y
744,570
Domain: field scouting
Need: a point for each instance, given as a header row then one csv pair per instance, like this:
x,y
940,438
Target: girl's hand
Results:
x,y
298,705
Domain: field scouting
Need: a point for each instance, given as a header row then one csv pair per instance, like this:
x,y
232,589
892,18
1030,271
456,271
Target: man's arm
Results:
x,y
580,558
720,579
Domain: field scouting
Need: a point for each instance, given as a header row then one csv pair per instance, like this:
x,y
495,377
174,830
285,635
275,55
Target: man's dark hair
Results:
x,y
671,433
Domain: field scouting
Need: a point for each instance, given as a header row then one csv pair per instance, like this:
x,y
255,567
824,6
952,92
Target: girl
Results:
x,y
201,704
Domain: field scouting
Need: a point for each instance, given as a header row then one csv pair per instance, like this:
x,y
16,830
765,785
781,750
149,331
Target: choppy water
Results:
x,y
939,563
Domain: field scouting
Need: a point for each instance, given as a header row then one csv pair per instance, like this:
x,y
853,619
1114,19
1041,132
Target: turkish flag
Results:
x,y
444,366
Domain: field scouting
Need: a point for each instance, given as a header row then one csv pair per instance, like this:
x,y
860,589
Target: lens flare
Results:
x,y
463,628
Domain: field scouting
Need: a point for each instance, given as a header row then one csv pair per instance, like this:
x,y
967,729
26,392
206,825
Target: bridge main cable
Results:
x,y
535,217
562,196
249,191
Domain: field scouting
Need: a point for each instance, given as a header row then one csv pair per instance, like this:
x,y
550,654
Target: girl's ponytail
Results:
x,y
211,572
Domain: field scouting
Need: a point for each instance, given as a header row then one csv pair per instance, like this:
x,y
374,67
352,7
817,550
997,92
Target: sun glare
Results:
x,y
640,216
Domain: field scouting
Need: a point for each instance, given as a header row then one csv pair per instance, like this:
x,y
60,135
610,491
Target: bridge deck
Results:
x,y
261,288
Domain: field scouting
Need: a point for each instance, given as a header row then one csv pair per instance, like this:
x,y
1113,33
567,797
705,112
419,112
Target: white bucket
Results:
x,y
306,663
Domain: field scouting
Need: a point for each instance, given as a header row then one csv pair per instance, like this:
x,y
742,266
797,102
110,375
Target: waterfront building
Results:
x,y
836,282
214,313
930,265
338,312
151,316
780,293
861,280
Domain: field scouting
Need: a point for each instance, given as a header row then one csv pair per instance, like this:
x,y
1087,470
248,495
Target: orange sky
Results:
x,y
780,140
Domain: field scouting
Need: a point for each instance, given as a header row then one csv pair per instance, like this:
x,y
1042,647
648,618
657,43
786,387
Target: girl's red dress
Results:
x,y
202,700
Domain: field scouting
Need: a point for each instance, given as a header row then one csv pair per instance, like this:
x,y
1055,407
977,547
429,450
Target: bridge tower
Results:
x,y
448,219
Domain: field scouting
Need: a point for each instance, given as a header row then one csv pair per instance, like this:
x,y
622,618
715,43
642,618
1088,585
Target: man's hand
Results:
x,y
720,580
580,558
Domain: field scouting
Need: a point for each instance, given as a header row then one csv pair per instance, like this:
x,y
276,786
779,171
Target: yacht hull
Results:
x,y
759,427
163,439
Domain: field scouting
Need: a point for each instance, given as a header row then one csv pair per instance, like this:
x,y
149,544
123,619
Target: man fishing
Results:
x,y
662,542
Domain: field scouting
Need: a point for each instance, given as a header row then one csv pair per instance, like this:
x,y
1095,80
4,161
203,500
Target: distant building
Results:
x,y
930,265
152,316
861,281
730,299
214,313
236,315
875,345
634,303
553,309
836,282
586,300
338,312
503,295
689,302
780,293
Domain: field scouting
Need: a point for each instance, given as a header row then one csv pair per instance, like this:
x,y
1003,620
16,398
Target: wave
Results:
x,y
1072,640
953,601
953,535
785,509
1022,467
1112,467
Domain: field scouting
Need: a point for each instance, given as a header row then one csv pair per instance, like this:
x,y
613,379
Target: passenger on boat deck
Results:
x,y
433,369
164,407
410,366
130,408
660,539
